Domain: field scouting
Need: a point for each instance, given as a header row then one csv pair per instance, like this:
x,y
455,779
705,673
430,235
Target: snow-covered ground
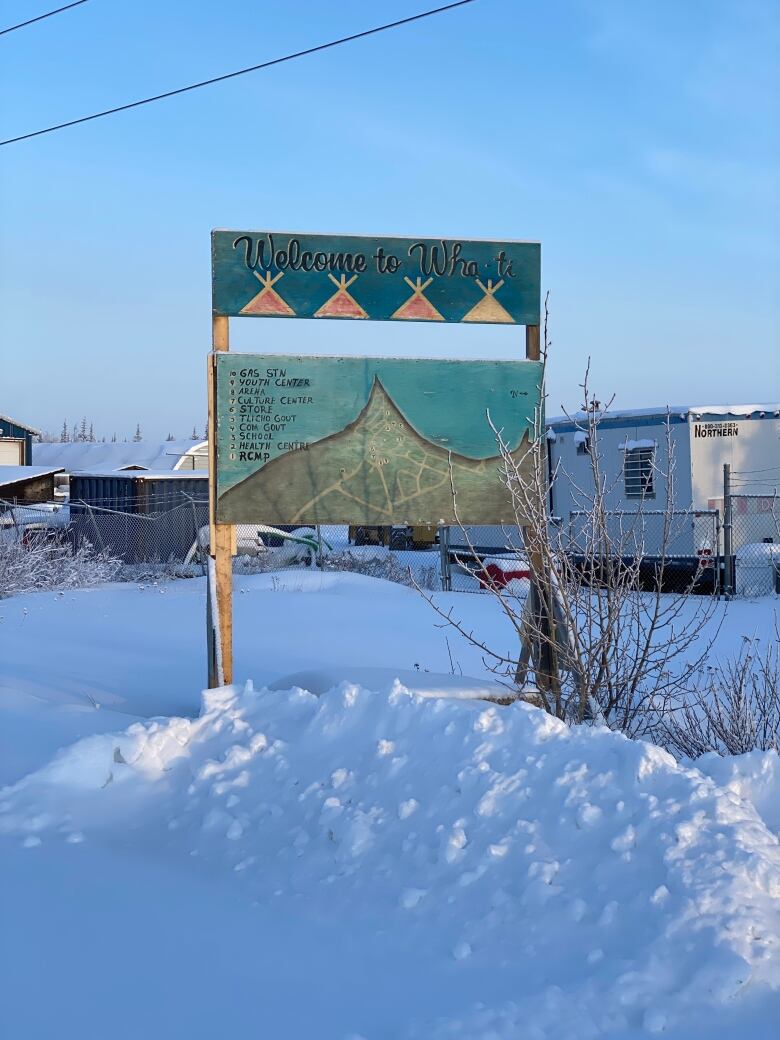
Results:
x,y
363,862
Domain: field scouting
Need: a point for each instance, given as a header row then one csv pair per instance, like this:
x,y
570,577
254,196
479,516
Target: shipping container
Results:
x,y
139,516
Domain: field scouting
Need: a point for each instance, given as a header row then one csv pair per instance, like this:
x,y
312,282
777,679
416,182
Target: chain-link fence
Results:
x,y
678,550
683,550
753,567
140,542
476,558
165,536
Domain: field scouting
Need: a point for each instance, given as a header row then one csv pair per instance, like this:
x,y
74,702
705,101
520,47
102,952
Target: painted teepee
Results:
x,y
489,309
418,307
341,304
268,302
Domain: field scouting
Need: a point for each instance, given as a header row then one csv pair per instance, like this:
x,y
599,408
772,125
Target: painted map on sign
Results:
x,y
304,440
265,274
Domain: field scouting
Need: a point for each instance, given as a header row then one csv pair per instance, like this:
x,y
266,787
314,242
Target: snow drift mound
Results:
x,y
626,893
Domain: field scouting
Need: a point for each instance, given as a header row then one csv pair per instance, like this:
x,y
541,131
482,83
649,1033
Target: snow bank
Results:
x,y
756,568
615,892
754,777
384,680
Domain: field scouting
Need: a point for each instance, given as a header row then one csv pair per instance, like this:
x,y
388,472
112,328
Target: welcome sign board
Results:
x,y
265,274
351,440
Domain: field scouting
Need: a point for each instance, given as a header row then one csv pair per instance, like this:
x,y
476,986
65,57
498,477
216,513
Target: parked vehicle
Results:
x,y
277,546
395,536
502,572
33,526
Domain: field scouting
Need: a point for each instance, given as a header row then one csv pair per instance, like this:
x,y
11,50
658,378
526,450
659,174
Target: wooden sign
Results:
x,y
265,274
355,440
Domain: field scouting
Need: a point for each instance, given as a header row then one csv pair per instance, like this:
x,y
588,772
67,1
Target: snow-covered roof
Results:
x,y
16,474
146,474
24,425
82,456
676,411
632,445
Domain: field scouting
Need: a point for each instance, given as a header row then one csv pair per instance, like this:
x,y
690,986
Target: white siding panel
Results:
x,y
11,452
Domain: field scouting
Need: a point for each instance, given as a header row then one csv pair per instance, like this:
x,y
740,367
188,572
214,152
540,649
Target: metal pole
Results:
x,y
728,558
444,557
320,561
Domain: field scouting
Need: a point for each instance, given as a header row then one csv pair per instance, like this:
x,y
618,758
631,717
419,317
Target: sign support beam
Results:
x,y
532,343
547,674
221,540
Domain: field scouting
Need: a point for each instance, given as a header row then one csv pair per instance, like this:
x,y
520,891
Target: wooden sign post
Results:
x,y
296,440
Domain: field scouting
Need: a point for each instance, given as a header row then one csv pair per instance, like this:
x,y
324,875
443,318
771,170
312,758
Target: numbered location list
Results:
x,y
264,408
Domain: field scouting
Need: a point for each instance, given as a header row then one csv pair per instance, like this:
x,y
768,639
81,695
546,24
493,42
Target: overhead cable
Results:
x,y
40,17
240,72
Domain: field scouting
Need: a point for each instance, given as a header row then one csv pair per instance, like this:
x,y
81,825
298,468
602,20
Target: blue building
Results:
x,y
15,442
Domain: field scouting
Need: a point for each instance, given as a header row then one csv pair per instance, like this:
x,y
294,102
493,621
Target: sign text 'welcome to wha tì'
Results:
x,y
267,274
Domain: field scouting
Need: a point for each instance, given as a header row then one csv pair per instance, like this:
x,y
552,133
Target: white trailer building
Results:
x,y
633,449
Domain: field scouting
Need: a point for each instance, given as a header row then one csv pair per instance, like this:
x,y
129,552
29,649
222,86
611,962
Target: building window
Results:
x,y
638,467
582,440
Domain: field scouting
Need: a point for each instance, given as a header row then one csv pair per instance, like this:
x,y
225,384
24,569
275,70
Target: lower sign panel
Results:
x,y
311,440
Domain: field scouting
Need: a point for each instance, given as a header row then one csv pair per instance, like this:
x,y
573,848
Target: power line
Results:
x,y
241,72
40,17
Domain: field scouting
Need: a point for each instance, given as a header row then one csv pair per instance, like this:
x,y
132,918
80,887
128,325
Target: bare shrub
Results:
x,y
42,564
736,707
595,638
386,566
153,571
265,563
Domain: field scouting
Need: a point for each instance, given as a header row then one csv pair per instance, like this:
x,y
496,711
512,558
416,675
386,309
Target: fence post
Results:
x,y
195,528
728,558
444,558
94,524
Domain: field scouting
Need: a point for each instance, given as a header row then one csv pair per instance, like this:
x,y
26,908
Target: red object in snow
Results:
x,y
498,576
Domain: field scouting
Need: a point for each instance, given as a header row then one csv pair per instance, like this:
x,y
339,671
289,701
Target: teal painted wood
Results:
x,y
289,274
367,440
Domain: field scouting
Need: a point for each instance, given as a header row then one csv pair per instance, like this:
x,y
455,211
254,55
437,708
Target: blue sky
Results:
x,y
638,141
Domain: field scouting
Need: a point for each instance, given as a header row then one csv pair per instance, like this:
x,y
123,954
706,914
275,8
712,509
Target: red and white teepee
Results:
x,y
341,304
418,307
268,301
